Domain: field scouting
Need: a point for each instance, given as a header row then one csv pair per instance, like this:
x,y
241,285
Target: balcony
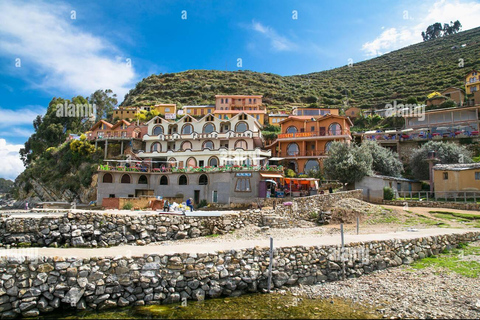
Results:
x,y
146,167
195,135
305,154
202,152
312,134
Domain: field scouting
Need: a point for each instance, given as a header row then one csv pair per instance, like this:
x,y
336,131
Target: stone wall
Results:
x,y
31,286
88,229
435,204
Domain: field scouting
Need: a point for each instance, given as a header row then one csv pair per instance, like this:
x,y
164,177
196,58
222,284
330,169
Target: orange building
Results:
x,y
304,141
228,106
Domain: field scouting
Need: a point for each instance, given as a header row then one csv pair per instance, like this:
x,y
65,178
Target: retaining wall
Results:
x,y
435,204
31,286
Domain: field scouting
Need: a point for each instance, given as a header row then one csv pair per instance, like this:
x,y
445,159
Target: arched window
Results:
x,y
241,127
293,149
143,179
213,162
210,118
208,128
156,147
207,145
328,145
186,145
107,178
241,144
187,129
188,119
203,180
172,162
191,162
157,130
334,129
311,165
125,179
292,129
182,181
243,117
163,180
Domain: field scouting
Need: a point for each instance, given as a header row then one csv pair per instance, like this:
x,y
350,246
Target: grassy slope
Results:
x,y
414,71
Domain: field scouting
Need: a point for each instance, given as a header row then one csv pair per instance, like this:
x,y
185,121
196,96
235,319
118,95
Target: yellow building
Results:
x,y
197,111
124,113
276,118
456,177
353,112
314,112
167,110
472,82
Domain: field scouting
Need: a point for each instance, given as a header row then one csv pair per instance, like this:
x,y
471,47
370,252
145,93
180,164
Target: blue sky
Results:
x,y
69,48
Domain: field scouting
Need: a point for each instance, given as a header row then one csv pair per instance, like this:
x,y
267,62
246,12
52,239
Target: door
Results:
x,y
215,197
196,196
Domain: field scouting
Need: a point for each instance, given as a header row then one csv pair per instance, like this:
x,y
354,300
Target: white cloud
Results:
x,y
12,165
442,11
277,42
20,117
62,56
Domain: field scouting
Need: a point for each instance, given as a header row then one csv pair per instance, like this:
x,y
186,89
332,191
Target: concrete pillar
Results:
x,y
106,148
121,148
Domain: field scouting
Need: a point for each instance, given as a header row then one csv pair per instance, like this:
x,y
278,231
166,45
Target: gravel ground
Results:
x,y
405,292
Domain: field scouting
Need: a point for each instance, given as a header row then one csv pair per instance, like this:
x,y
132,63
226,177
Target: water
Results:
x,y
259,306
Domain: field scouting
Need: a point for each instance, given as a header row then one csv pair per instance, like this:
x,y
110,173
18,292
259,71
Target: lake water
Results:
x,y
259,306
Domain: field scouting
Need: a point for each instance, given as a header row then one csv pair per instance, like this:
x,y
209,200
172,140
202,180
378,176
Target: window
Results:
x,y
445,176
186,145
226,100
111,195
213,162
241,127
156,147
243,116
242,185
209,110
208,128
188,119
292,129
187,129
241,144
334,129
167,109
207,145
107,178
191,162
201,163
221,101
477,175
182,181
292,149
125,179
311,165
327,146
143,180
210,117
163,181
203,180
312,128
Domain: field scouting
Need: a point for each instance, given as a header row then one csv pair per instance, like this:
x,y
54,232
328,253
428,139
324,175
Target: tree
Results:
x,y
446,153
104,101
436,30
385,161
347,163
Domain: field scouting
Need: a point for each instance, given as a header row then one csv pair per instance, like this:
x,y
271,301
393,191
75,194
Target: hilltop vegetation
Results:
x,y
5,185
411,72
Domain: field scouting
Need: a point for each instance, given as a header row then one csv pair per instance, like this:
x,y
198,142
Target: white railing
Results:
x,y
455,196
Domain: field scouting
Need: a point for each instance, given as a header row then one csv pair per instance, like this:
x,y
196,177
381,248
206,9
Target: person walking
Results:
x,y
26,205
190,204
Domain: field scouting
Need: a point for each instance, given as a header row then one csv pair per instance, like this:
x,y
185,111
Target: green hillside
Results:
x,y
414,71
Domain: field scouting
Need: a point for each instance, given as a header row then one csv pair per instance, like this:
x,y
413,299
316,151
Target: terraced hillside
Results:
x,y
414,71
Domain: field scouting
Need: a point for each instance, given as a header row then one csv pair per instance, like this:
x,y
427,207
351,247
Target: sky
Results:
x,y
70,48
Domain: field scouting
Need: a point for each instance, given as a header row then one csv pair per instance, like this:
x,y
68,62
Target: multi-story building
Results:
x,y
198,111
125,113
274,119
168,111
472,82
227,106
455,94
304,140
208,141
314,112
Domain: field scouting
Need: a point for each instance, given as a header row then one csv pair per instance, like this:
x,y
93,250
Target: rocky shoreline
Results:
x,y
404,292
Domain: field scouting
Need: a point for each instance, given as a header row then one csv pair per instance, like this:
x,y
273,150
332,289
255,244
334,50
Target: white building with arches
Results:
x,y
206,142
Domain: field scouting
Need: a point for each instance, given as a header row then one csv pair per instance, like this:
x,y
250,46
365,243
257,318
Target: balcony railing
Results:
x,y
311,153
212,135
421,136
311,134
148,169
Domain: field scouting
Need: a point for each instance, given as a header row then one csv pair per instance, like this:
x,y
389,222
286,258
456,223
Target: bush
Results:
x,y
203,203
388,193
127,206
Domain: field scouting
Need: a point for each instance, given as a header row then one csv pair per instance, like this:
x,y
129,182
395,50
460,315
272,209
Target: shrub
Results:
x,y
127,206
203,203
388,193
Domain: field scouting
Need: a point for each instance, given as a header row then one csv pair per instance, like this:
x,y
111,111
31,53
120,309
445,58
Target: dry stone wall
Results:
x,y
30,286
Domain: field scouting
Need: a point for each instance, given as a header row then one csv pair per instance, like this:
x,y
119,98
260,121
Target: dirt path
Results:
x,y
210,245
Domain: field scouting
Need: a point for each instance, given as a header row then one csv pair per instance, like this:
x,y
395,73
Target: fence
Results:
x,y
455,196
